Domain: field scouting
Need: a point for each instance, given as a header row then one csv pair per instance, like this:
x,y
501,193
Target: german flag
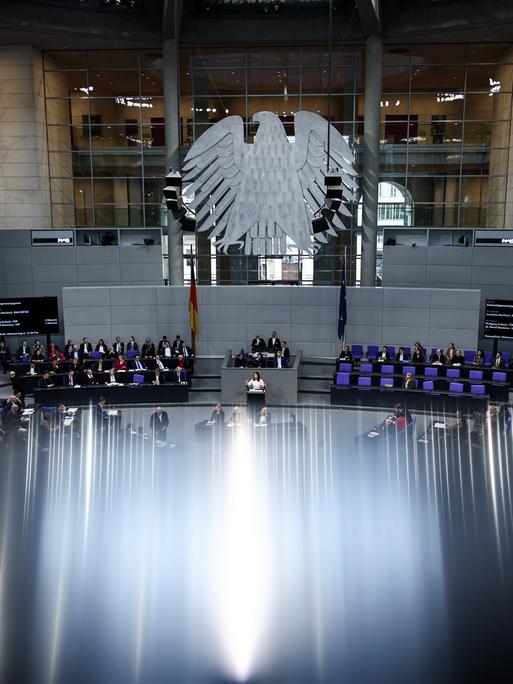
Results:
x,y
193,303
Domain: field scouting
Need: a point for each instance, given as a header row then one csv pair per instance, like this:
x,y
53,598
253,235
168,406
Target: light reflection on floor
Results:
x,y
278,556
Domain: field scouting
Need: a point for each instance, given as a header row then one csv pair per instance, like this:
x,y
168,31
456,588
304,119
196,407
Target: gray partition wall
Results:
x,y
307,317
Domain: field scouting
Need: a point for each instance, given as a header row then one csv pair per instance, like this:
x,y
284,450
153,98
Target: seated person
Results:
x,y
479,358
163,342
279,361
258,361
236,417
88,377
38,345
285,350
111,378
148,349
98,366
185,351
137,364
85,348
217,416
345,354
38,355
258,344
384,354
55,367
132,345
409,381
68,348
177,343
273,343
45,381
120,363
180,361
110,354
179,375
119,347
457,359
438,358
101,346
76,365
402,355
240,360
74,353
450,352
23,350
32,369
70,380
255,383
399,420
5,355
166,352
264,417
418,355
160,377
498,361
159,364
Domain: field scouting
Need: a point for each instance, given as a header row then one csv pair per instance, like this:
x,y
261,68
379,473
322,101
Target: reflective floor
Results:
x,y
306,551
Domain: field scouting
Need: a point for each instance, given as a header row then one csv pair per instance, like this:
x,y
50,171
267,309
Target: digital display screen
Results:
x,y
498,322
29,316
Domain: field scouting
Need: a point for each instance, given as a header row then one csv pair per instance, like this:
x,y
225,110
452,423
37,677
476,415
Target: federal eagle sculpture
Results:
x,y
256,195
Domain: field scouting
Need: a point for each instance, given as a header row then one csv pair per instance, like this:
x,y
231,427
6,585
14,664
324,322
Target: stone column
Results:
x,y
24,173
171,99
373,76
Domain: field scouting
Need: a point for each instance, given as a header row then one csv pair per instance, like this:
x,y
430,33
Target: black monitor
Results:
x,y
29,316
498,320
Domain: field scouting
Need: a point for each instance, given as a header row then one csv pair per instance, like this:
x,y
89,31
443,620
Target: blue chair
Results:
x,y
431,371
139,379
468,355
456,387
343,378
407,350
96,355
391,351
488,358
131,354
387,370
475,375
409,369
345,367
433,350
372,351
366,368
506,357
477,389
357,351
25,358
428,385
386,382
364,381
499,376
453,372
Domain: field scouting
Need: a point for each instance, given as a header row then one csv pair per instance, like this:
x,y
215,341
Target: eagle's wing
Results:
x,y
311,154
213,170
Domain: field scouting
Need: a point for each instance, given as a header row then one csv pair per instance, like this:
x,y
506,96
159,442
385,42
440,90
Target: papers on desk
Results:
x,y
68,421
440,426
27,412
256,391
72,411
209,422
373,433
77,386
112,412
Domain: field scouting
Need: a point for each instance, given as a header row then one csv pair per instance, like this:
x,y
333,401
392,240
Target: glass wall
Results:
x,y
105,125
445,137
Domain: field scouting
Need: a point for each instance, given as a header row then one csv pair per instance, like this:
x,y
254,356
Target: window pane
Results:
x,y
223,81
396,79
437,54
490,53
112,164
114,83
437,79
113,59
273,81
66,84
65,59
152,82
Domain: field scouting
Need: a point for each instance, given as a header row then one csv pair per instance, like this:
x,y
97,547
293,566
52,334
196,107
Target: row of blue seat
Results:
x,y
468,354
344,379
431,371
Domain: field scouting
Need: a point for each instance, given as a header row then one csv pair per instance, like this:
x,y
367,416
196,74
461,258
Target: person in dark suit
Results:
x,y
69,348
148,349
186,351
498,361
240,360
159,422
137,364
45,381
457,359
258,344
217,416
101,346
279,361
70,380
417,356
402,355
273,343
409,381
179,375
119,347
345,354
23,350
100,413
111,353
438,358
384,354
5,355
85,348
163,342
177,343
132,345
88,377
285,350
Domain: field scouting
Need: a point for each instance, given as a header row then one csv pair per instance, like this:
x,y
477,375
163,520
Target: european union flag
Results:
x,y
342,306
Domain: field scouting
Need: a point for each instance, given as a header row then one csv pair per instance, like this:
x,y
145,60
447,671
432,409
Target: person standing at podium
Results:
x,y
255,383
